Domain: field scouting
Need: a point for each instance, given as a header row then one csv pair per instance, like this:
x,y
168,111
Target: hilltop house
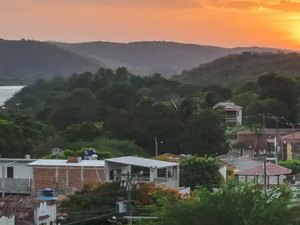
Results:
x,y
233,113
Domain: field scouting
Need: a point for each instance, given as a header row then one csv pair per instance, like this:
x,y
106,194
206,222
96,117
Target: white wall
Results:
x,y
45,210
21,170
7,221
239,117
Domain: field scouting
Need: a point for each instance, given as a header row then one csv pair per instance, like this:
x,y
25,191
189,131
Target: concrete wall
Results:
x,y
22,175
7,221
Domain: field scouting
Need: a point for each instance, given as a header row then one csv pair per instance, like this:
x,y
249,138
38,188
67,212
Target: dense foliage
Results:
x,y
234,205
94,109
294,165
97,204
200,172
107,109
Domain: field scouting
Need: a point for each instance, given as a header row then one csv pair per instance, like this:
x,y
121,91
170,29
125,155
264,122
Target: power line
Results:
x,y
93,218
89,211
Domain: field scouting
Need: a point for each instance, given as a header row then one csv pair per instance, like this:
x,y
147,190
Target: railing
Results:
x,y
241,152
16,186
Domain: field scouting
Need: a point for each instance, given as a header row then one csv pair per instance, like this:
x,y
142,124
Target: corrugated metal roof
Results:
x,y
143,162
16,160
63,162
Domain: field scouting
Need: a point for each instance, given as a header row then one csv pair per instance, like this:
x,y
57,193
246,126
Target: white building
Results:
x,y
16,175
233,113
45,214
144,170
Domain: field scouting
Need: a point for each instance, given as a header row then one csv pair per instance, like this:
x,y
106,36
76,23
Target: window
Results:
x,y
162,173
10,172
111,175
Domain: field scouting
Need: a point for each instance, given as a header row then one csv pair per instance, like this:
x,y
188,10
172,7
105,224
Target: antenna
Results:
x,y
56,151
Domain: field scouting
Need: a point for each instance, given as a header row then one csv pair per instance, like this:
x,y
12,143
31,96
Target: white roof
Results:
x,y
143,162
63,162
228,105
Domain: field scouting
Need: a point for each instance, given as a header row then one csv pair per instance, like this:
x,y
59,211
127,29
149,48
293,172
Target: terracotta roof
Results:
x,y
290,138
272,170
270,131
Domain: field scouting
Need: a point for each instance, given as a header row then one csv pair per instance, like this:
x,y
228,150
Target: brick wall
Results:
x,y
68,178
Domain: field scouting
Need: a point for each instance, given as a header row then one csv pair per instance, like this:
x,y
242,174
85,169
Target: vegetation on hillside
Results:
x,y
235,70
23,62
117,113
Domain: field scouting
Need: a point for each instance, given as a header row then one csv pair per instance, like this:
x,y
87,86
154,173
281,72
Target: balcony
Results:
x,y
17,186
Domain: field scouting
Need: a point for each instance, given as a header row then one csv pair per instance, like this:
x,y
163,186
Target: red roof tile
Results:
x,y
272,170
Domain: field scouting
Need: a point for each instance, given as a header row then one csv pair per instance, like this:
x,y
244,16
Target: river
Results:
x,y
6,92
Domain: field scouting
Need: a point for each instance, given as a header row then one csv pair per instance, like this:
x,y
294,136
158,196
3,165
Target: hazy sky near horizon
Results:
x,y
229,23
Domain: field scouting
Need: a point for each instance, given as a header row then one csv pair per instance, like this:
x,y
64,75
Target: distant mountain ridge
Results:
x,y
148,57
25,61
237,69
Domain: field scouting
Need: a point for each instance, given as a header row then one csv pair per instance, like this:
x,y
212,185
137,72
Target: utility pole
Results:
x,y
127,183
128,188
265,171
156,146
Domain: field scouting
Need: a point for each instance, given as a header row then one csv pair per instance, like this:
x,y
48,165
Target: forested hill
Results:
x,y
148,57
23,62
235,70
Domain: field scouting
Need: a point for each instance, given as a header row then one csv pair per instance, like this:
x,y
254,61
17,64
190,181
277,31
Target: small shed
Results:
x,y
259,171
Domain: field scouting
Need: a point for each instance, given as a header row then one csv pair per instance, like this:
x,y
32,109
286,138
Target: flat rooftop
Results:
x,y
64,162
143,162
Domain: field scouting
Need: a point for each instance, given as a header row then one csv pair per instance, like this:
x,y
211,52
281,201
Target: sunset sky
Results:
x,y
228,23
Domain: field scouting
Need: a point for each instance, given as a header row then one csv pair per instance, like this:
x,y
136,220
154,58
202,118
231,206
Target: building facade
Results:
x,y
66,176
143,170
16,175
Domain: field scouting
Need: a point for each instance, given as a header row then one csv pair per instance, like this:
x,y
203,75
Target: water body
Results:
x,y
6,92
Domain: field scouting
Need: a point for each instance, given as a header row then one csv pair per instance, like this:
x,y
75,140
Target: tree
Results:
x,y
80,106
100,200
282,88
234,205
200,172
205,134
12,141
85,131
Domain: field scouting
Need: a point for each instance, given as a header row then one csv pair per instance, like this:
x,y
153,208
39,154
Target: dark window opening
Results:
x,y
10,172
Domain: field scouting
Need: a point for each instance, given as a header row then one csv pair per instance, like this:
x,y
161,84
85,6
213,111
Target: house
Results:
x,y
262,139
66,176
289,143
28,210
16,175
143,169
233,113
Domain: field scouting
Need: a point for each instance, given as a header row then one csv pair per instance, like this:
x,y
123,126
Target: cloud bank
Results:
x,y
282,5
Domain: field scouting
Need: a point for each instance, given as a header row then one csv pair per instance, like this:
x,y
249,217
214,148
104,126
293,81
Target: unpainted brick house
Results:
x,y
66,176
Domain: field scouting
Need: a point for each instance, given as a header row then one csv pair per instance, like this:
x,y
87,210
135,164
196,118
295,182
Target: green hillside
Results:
x,y
23,62
148,57
235,70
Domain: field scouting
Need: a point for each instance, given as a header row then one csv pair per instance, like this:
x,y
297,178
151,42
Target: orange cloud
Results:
x,y
283,5
123,3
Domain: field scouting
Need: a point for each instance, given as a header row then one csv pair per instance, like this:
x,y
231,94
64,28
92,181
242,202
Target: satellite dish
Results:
x,y
56,151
